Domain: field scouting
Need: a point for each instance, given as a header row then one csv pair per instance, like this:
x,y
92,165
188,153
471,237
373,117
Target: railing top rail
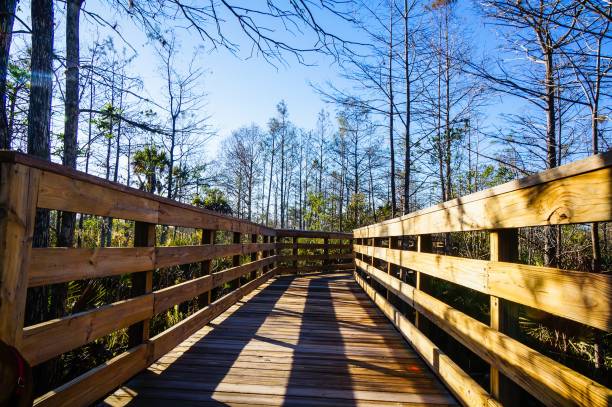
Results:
x,y
560,195
313,234
14,157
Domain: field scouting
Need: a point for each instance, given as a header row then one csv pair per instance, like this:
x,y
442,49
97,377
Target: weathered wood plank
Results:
x,y
313,246
459,382
91,386
315,338
551,382
293,257
574,193
168,339
18,196
312,234
43,341
579,296
73,195
60,264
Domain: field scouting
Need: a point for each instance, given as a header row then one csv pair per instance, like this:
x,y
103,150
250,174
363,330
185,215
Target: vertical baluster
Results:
x,y
424,245
326,263
236,262
504,314
295,253
208,237
142,283
254,256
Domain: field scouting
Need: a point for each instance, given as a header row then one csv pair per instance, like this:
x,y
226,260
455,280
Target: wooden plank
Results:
x,y
178,293
60,264
306,269
175,255
18,196
319,354
43,341
58,175
314,246
579,296
192,217
579,192
68,194
168,339
294,257
460,383
228,275
313,234
91,386
551,382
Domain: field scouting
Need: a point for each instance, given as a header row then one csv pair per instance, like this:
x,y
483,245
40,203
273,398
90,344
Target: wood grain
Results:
x,y
59,264
43,341
579,296
18,189
310,341
551,382
574,193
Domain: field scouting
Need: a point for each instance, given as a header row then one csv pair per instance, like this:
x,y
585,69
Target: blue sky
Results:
x,y
241,90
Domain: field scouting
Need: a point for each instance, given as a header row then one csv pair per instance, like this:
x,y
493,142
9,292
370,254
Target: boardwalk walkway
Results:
x,y
314,340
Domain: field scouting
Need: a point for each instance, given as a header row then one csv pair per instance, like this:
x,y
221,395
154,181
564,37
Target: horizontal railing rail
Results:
x,y
28,184
303,251
575,193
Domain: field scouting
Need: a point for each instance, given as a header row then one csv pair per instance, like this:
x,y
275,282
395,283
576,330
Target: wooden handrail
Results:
x,y
580,192
27,183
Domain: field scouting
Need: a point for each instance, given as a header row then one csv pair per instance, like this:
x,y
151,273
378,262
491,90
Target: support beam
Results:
x,y
424,245
18,197
504,314
142,282
208,237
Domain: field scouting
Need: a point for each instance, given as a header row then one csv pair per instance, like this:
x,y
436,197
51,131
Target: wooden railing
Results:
x,y
302,251
576,193
27,184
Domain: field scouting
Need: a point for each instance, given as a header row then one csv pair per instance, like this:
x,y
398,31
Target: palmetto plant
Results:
x,y
150,164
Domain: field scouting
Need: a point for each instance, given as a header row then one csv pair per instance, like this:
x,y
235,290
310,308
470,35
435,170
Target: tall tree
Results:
x,y
71,111
7,19
391,110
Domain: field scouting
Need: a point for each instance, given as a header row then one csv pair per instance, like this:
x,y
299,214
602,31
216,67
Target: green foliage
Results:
x,y
151,164
214,200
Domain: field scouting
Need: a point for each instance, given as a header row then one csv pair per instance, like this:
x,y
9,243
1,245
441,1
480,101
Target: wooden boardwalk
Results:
x,y
314,340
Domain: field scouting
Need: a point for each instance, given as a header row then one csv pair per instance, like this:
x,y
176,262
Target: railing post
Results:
x,y
236,262
504,314
391,244
208,237
424,245
265,253
254,256
273,252
18,197
326,262
294,252
142,283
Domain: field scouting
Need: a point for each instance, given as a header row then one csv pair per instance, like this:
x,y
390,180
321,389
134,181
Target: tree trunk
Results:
x,y
407,156
7,18
551,148
270,184
391,147
39,123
